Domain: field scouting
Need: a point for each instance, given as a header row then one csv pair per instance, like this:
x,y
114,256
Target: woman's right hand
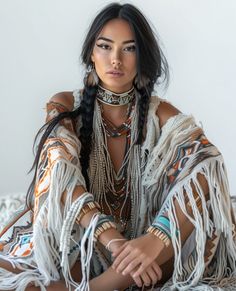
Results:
x,y
116,244
150,276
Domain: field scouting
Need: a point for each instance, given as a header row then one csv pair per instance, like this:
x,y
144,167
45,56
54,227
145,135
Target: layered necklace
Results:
x,y
117,200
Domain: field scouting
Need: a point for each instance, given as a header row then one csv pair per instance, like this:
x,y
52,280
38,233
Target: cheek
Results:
x,y
132,64
100,56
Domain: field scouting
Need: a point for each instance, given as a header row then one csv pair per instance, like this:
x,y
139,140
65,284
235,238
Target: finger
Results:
x,y
120,257
157,269
125,262
131,266
152,274
146,279
142,267
138,281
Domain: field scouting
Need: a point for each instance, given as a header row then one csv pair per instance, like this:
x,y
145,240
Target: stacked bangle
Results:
x,y
162,223
103,227
105,222
160,234
87,208
161,228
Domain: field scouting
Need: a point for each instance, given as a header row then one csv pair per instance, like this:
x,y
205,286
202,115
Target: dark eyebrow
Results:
x,y
109,40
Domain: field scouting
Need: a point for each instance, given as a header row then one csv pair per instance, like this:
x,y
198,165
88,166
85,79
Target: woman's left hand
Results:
x,y
139,252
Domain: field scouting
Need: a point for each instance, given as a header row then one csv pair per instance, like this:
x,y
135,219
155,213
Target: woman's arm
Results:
x,y
66,99
141,252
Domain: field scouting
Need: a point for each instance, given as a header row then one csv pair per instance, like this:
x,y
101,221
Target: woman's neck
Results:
x,y
117,113
117,90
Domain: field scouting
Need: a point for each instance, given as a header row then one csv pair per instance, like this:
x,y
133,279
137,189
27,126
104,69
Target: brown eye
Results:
x,y
104,46
131,48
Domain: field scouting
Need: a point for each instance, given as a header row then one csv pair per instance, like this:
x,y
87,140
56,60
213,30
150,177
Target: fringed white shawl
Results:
x,y
45,247
168,162
207,261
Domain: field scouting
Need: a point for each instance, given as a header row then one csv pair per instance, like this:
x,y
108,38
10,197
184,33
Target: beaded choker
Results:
x,y
114,99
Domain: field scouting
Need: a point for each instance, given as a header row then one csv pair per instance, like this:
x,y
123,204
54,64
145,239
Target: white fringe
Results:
x,y
65,239
50,218
213,170
19,282
53,225
86,256
156,157
52,236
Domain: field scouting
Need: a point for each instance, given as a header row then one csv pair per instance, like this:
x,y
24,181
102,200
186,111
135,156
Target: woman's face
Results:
x,y
114,56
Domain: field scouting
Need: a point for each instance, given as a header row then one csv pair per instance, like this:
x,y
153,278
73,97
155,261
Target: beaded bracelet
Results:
x,y
87,208
103,227
104,223
162,222
160,234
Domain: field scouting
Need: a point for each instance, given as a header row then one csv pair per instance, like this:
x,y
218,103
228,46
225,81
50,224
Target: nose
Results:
x,y
115,60
116,63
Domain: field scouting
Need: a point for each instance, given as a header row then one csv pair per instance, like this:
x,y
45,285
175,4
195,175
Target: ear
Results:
x,y
92,57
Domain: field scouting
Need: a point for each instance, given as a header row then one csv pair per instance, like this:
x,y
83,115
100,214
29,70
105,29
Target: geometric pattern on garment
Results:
x,y
23,245
13,235
184,152
211,246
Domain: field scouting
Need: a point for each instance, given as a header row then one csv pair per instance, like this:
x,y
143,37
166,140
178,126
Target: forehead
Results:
x,y
117,29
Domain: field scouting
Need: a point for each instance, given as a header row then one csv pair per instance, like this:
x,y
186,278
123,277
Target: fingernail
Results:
x,y
123,273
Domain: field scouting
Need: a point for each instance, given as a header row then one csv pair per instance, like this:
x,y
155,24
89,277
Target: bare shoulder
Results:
x,y
166,110
65,98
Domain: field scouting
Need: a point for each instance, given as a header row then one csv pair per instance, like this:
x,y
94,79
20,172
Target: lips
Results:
x,y
115,73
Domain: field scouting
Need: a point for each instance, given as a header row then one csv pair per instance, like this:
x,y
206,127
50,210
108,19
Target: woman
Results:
x,y
128,192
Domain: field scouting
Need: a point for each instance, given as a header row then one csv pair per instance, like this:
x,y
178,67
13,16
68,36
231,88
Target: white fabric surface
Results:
x,y
9,203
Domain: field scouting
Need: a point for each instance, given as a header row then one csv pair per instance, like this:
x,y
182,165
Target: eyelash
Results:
x,y
128,48
131,48
103,46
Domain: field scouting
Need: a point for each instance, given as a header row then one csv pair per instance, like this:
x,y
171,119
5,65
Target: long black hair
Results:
x,y
151,66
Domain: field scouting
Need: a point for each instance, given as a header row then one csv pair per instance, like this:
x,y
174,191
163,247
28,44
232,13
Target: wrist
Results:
x,y
115,244
85,220
156,237
108,235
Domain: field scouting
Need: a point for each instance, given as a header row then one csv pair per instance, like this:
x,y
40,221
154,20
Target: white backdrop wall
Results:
x,y
39,56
